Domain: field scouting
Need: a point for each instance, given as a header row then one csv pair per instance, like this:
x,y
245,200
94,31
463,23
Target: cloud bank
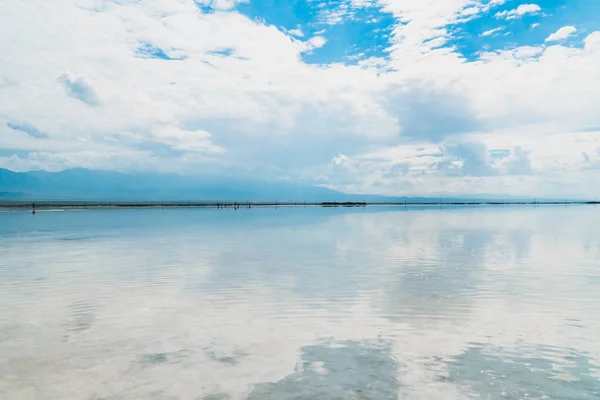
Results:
x,y
420,97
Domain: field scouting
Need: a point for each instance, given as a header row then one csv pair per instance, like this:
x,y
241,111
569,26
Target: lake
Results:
x,y
301,303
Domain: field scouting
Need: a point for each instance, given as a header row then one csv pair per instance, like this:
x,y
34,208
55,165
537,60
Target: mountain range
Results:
x,y
83,184
91,185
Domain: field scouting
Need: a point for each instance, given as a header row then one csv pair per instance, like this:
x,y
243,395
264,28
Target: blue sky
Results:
x,y
351,33
490,32
415,97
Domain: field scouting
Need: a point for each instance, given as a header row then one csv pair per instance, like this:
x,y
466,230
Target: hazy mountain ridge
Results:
x,y
82,184
87,185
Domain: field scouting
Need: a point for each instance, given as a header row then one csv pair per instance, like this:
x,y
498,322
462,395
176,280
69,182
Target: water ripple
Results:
x,y
304,303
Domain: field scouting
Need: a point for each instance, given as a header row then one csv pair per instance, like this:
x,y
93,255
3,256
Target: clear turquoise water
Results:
x,y
303,303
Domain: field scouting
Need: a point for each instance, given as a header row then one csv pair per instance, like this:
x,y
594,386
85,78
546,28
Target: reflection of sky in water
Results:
x,y
343,371
538,373
301,303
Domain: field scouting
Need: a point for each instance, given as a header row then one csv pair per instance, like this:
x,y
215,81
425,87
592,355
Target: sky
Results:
x,y
394,97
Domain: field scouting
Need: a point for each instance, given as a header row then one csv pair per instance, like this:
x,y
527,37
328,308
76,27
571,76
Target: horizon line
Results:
x,y
77,204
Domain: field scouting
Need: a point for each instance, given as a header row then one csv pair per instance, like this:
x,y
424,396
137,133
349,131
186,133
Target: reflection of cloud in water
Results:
x,y
331,261
215,304
443,285
520,243
536,372
81,317
216,396
147,360
349,370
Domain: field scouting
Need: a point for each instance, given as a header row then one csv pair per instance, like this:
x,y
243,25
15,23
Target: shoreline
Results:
x,y
45,205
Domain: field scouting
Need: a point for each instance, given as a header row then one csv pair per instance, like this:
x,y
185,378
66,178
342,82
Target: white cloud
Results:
x,y
561,34
592,42
185,140
340,159
527,52
492,31
242,99
79,89
518,163
469,11
519,12
317,41
296,32
221,4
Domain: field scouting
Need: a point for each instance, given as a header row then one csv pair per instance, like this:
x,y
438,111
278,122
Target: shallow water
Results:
x,y
302,303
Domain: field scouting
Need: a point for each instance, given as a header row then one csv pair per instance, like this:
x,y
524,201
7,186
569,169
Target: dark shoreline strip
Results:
x,y
115,205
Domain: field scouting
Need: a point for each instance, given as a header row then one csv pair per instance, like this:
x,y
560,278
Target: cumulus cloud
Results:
x,y
494,3
527,52
219,4
519,12
469,11
397,169
592,42
428,113
340,159
518,163
296,32
79,89
186,140
492,31
27,129
243,100
472,158
317,42
561,34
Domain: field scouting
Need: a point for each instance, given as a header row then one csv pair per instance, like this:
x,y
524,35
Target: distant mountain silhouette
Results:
x,y
89,185
83,184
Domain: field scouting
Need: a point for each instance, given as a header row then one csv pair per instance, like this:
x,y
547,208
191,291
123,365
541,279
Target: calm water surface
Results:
x,y
304,303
